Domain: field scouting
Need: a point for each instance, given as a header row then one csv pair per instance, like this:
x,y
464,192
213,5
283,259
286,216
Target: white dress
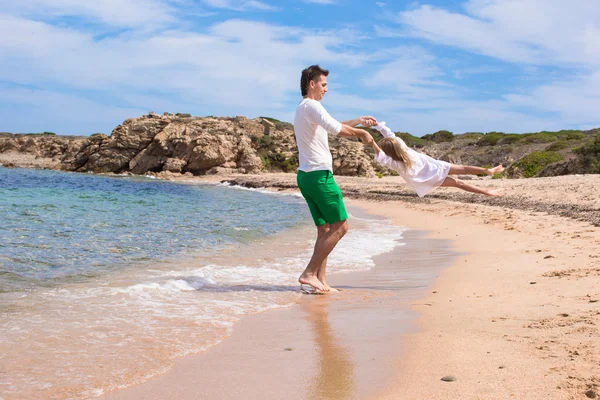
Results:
x,y
425,174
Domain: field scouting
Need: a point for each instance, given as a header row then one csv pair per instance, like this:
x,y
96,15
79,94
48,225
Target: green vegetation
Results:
x,y
500,138
41,134
440,136
589,155
379,174
470,135
533,163
549,137
265,141
278,161
486,166
557,146
490,139
266,163
510,138
410,140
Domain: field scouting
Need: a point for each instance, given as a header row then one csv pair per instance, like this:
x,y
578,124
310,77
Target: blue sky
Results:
x,y
80,67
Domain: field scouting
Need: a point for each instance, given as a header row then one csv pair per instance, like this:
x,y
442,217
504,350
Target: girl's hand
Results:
x,y
368,121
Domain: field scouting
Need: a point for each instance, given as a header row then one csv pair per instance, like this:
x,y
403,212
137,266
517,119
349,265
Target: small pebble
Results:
x,y
449,378
547,257
532,283
590,394
288,349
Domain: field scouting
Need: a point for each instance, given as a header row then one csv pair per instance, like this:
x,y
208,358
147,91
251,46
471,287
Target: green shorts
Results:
x,y
323,196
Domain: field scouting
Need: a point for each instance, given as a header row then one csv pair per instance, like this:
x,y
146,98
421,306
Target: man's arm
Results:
x,y
348,130
364,121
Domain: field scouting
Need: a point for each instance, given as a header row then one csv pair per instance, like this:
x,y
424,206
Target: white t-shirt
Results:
x,y
311,125
425,174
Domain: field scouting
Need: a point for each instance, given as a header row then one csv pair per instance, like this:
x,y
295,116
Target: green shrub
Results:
x,y
557,146
410,140
501,175
289,164
549,137
380,174
571,135
470,135
490,139
265,141
540,137
589,155
510,138
440,136
266,163
533,163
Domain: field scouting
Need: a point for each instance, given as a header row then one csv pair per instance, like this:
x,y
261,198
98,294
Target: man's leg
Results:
x,y
326,242
322,272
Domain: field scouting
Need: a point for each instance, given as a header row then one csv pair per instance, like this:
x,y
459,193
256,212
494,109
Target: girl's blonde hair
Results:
x,y
392,148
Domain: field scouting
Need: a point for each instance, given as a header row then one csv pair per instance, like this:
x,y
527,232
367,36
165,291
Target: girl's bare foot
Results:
x,y
496,170
494,193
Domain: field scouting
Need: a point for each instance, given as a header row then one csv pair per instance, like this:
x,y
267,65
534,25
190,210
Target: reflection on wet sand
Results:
x,y
334,378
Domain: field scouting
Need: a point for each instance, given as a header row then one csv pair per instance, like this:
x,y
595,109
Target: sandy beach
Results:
x,y
508,305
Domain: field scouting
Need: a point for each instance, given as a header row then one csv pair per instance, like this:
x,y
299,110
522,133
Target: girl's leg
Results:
x,y
457,183
471,170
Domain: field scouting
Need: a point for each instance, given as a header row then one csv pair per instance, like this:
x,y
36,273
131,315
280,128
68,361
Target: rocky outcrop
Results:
x,y
182,144
44,151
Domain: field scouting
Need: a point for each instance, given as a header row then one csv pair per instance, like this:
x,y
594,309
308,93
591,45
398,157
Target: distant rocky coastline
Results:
x,y
176,144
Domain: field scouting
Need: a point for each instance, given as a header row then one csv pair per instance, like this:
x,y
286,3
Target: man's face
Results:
x,y
319,87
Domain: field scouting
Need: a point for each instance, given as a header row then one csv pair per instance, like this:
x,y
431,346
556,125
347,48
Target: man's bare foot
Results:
x,y
494,193
312,280
330,289
496,170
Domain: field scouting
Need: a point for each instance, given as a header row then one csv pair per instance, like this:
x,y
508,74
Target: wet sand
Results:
x,y
515,315
336,346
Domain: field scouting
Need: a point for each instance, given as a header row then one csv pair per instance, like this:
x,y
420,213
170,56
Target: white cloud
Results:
x,y
59,112
532,31
577,100
240,5
320,1
239,67
122,13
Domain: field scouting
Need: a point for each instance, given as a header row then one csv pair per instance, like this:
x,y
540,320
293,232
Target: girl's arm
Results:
x,y
375,147
384,130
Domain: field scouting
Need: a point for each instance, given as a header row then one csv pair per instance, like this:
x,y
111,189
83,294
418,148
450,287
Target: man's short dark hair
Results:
x,y
312,73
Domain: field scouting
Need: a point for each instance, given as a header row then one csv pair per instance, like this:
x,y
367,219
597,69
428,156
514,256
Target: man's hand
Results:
x,y
367,138
368,121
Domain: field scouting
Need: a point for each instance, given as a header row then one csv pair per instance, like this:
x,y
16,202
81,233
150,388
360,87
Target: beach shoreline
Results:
x,y
516,316
329,346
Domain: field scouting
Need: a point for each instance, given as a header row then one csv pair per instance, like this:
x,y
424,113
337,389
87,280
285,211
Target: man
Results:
x,y
315,174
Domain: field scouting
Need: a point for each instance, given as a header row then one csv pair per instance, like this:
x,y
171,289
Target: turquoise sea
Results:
x,y
105,280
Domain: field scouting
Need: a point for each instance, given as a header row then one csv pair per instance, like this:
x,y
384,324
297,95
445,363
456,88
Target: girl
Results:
x,y
422,172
